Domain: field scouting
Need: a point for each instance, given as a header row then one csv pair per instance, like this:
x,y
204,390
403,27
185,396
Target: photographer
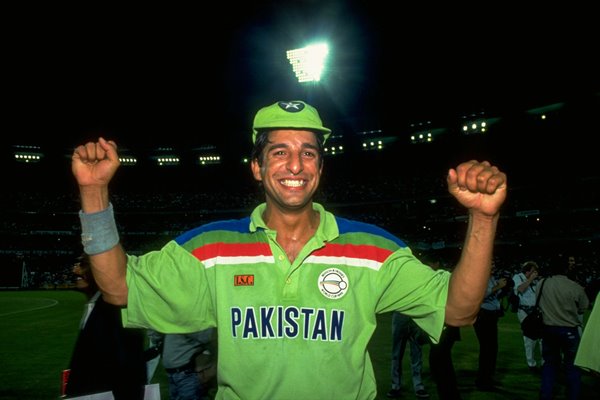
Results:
x,y
486,329
524,288
506,294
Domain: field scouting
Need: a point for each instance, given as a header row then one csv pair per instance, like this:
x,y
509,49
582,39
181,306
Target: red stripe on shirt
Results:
x,y
232,250
354,251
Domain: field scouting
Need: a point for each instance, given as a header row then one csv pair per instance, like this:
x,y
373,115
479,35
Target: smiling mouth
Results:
x,y
294,183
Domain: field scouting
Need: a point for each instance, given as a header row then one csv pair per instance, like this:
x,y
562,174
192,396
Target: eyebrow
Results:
x,y
285,146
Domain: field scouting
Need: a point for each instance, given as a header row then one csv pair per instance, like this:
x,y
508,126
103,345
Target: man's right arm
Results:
x,y
526,283
93,166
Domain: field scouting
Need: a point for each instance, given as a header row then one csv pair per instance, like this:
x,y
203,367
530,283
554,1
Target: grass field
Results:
x,y
38,331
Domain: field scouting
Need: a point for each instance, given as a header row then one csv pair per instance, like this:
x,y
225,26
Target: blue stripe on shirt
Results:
x,y
231,225
349,226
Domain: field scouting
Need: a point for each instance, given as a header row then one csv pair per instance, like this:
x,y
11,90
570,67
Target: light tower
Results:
x,y
308,62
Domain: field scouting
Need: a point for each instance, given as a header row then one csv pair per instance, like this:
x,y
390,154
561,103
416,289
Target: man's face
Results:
x,y
532,271
80,281
291,169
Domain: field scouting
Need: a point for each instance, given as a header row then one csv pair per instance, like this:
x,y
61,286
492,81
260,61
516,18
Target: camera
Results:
x,y
510,284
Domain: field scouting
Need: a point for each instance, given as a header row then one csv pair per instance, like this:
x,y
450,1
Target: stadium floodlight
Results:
x,y
27,157
209,159
477,123
308,62
128,160
27,154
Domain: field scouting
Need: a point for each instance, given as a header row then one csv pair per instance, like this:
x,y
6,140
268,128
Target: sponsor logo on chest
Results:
x,y
243,280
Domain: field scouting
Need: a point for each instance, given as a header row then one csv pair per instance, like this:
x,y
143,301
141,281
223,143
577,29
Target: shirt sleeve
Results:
x,y
518,281
414,289
170,291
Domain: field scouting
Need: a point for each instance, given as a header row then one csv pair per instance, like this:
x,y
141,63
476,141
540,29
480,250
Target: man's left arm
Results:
x,y
481,188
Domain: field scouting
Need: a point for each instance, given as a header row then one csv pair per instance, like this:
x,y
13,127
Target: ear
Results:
x,y
256,170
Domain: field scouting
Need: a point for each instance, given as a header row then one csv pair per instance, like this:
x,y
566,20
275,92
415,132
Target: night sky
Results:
x,y
153,76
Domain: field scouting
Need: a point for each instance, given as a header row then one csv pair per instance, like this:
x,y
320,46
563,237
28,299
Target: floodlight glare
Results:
x,y
308,62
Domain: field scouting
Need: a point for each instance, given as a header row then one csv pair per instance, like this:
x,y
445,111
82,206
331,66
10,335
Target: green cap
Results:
x,y
289,114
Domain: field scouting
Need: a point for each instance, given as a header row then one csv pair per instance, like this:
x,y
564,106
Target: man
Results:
x,y
293,290
441,366
577,274
524,289
179,354
563,302
404,330
486,329
573,272
106,356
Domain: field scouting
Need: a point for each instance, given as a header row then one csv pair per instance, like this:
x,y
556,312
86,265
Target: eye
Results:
x,y
310,154
277,153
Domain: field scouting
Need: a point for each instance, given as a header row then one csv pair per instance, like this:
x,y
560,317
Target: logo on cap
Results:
x,y
291,106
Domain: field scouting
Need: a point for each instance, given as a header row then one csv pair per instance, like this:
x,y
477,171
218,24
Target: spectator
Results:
x,y
524,289
179,353
486,329
107,357
440,354
562,301
404,330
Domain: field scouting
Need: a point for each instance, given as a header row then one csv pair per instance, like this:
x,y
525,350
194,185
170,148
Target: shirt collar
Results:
x,y
327,230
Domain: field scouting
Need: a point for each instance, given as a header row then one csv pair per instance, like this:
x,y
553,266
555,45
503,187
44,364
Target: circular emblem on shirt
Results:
x,y
333,283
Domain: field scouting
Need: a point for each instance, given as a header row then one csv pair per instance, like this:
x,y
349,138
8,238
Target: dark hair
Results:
x,y
262,139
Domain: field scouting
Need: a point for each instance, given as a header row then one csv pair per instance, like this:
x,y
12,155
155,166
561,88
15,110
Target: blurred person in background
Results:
x,y
563,303
404,330
107,357
486,329
179,353
524,288
441,365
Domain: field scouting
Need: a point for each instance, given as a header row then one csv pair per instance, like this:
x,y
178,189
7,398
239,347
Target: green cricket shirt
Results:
x,y
285,330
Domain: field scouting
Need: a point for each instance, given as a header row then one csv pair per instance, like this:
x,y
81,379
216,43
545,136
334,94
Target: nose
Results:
x,y
294,164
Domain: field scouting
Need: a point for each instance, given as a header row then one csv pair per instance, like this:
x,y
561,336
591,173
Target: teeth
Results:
x,y
292,183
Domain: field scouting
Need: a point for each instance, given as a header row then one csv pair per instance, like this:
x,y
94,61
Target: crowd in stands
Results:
x,y
401,189
42,230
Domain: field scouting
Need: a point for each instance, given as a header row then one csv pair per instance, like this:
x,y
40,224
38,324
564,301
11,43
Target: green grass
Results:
x,y
38,330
